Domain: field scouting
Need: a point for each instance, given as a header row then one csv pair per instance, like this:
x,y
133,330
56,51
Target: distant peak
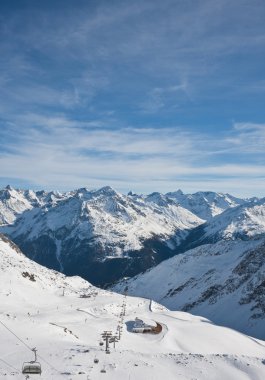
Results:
x,y
155,194
82,190
82,193
8,192
159,199
175,194
106,190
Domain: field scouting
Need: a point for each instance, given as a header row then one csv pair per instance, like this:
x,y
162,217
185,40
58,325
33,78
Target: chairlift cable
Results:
x,y
9,365
45,361
25,344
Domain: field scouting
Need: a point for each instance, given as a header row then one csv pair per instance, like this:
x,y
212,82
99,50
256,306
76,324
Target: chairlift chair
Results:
x,y
33,367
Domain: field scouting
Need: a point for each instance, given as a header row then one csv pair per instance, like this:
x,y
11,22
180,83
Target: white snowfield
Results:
x,y
14,202
45,310
223,282
246,221
206,204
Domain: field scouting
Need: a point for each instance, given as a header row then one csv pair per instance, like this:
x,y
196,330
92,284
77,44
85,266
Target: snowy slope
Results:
x,y
15,202
67,330
206,204
242,222
224,282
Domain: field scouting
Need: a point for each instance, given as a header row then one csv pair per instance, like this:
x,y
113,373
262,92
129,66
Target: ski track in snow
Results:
x,y
186,349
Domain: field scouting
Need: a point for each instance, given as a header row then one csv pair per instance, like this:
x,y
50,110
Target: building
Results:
x,y
141,327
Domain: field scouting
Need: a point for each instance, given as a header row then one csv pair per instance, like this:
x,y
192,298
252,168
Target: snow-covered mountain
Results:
x,y
101,235
118,223
64,319
206,204
14,202
224,282
243,222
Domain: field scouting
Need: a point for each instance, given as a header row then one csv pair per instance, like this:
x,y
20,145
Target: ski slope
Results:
x,y
211,280
64,318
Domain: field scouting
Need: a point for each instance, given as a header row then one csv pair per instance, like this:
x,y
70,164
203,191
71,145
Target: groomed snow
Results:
x,y
66,331
222,281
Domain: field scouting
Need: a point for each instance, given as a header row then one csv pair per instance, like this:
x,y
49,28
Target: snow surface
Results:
x,y
67,329
15,202
206,204
243,222
224,282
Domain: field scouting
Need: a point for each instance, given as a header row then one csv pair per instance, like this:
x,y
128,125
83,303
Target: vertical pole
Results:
x,y
106,344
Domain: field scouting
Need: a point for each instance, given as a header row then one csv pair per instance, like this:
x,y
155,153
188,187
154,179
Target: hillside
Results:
x,y
64,318
243,222
224,282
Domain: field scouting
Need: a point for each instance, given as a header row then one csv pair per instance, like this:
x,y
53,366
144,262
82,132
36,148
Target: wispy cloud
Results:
x,y
248,138
170,97
69,57
50,153
135,94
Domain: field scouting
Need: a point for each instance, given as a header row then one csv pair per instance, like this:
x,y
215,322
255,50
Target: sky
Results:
x,y
139,95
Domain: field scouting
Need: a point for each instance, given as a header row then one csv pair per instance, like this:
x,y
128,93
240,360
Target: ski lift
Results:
x,y
33,367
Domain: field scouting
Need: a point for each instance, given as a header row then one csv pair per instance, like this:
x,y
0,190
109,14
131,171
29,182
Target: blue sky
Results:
x,y
140,95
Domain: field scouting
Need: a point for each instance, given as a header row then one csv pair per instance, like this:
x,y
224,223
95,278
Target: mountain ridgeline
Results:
x,y
104,236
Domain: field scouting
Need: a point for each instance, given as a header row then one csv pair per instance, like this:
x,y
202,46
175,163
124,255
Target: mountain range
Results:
x,y
103,235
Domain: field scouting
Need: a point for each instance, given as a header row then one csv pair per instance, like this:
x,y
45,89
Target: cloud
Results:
x,y
248,138
170,96
67,58
57,152
133,93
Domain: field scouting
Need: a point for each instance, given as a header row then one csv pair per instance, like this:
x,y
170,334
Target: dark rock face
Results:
x,y
247,275
255,292
88,260
100,235
210,295
42,250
